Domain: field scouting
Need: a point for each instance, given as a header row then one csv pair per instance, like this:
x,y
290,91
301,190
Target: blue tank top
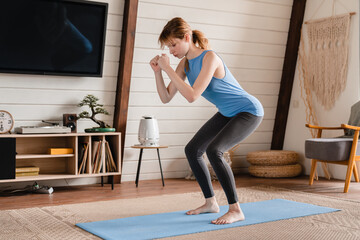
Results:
x,y
225,93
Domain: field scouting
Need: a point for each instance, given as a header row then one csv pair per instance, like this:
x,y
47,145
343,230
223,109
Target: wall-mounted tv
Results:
x,y
52,37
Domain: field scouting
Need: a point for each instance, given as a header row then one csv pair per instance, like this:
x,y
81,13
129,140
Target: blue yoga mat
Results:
x,y
178,223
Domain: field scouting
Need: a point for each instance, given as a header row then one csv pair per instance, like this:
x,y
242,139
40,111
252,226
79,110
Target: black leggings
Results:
x,y
218,135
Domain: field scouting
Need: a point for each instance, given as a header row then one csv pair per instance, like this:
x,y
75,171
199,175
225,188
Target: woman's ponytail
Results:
x,y
200,40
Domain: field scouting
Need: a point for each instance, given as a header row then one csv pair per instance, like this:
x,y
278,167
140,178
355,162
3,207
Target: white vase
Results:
x,y
148,131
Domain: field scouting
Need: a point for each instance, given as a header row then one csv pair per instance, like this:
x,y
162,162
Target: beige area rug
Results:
x,y
58,222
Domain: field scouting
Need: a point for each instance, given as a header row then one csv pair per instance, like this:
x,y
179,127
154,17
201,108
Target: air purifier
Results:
x,y
148,131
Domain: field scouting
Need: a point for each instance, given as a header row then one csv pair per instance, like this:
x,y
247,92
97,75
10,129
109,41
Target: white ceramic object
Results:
x,y
148,131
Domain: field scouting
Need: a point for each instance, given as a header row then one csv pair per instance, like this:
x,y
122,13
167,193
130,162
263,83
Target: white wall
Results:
x,y
296,133
251,38
250,35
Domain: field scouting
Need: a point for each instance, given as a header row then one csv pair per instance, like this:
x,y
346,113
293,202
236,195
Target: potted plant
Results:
x,y
92,102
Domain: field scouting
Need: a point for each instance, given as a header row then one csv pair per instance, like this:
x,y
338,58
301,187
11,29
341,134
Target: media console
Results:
x,y
33,150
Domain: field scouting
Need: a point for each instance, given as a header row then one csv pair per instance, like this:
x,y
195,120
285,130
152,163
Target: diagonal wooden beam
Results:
x,y
287,78
125,68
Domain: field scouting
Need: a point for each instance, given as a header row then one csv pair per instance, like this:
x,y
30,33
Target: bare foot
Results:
x,y
210,206
233,215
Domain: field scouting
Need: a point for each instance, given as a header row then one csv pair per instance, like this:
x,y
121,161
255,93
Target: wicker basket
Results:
x,y
272,157
292,170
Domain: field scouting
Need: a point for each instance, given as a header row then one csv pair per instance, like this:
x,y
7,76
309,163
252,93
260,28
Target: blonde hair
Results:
x,y
177,28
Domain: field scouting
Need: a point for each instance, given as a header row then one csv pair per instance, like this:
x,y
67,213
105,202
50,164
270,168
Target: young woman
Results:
x,y
238,116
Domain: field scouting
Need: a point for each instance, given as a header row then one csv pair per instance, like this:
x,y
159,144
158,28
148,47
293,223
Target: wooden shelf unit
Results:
x,y
32,150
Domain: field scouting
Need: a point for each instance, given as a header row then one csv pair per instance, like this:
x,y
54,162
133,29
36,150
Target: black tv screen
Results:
x,y
52,37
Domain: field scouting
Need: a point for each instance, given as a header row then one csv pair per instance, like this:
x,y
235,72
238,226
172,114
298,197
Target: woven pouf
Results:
x,y
284,171
274,163
272,157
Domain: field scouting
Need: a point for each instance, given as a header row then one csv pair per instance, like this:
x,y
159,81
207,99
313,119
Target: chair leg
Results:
x,y
352,162
312,172
356,175
348,175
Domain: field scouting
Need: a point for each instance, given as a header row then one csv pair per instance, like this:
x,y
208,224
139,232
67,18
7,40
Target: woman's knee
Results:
x,y
213,152
191,150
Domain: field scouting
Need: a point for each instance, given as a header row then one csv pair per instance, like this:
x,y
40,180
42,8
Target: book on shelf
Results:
x,y
110,163
83,156
95,155
81,152
54,151
27,169
102,158
21,174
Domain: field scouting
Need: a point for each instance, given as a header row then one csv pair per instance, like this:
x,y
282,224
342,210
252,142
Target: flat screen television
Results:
x,y
52,37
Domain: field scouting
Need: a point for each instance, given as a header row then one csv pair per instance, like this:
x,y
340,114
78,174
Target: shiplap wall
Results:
x,y
250,35
32,98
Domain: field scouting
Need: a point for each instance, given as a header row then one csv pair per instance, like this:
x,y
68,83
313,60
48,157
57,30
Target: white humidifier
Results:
x,y
148,131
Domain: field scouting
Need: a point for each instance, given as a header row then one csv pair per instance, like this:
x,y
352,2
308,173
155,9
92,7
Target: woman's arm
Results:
x,y
209,66
166,93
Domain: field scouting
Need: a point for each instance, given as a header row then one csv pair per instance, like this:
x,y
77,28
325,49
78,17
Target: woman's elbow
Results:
x,y
192,99
164,101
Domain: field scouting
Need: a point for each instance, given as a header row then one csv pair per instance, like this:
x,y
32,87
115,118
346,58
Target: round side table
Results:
x,y
140,156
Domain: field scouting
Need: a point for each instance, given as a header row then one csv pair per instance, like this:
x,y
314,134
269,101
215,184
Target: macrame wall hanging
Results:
x,y
323,61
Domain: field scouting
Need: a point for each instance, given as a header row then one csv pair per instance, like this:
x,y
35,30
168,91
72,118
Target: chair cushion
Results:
x,y
330,149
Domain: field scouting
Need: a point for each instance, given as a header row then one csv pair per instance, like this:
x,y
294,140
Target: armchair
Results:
x,y
341,150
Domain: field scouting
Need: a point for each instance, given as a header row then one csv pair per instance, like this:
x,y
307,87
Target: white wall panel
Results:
x,y
114,22
152,166
17,81
111,69
115,6
249,7
275,2
226,33
213,17
113,38
112,53
50,96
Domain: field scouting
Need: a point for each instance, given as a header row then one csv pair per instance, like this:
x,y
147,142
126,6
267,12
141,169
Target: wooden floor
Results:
x,y
89,193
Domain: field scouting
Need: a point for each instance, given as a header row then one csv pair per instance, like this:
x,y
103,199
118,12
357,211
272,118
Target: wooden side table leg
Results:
x,y
138,168
102,181
162,177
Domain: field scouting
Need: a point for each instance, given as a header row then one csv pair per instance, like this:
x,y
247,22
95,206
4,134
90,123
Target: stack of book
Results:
x,y
102,157
27,171
58,151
